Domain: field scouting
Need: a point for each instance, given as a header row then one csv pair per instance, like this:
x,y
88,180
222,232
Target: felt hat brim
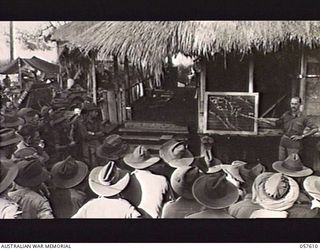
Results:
x,y
268,203
11,174
19,121
231,196
114,155
129,160
17,138
33,182
312,185
278,166
82,171
214,169
164,153
183,162
103,190
232,170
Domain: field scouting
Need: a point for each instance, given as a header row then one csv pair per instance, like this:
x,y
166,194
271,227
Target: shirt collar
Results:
x,y
297,114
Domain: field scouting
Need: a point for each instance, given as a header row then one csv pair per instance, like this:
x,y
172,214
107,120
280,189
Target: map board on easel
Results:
x,y
231,113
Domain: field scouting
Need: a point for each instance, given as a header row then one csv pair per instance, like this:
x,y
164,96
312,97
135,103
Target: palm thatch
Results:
x,y
148,43
70,30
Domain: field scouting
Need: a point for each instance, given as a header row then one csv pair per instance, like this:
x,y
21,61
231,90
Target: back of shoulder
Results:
x,y
8,209
26,194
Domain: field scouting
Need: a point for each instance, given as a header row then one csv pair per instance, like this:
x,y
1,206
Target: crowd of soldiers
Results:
x,y
61,163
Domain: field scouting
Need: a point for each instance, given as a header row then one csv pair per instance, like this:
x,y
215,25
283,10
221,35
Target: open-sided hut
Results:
x,y
273,60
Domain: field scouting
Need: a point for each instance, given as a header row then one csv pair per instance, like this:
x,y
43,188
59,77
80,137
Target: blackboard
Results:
x,y
231,113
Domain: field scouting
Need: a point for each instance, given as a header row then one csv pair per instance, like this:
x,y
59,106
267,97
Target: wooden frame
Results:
x,y
254,130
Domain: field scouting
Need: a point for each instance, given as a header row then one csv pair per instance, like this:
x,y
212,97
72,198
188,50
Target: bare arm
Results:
x,y
300,137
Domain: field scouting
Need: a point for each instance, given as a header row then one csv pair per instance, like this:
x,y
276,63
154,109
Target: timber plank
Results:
x,y
151,130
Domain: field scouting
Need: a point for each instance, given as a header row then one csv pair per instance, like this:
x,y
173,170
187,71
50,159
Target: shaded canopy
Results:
x,y
34,62
148,43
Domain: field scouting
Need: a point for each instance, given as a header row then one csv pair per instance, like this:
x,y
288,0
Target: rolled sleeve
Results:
x,y
310,124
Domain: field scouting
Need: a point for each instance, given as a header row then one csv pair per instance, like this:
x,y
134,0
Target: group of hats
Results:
x,y
212,190
110,180
279,191
24,173
172,152
31,173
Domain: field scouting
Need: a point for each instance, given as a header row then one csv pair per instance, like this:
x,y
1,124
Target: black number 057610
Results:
x,y
305,245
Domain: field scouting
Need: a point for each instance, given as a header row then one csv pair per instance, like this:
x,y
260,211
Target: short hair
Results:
x,y
297,98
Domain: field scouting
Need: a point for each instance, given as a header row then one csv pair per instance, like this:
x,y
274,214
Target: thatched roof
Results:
x,y
71,30
149,42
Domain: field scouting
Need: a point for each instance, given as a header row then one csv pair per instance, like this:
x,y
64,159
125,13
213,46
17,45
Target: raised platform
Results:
x,y
151,134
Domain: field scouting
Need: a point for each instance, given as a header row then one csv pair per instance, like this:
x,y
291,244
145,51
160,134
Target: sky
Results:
x,y
19,51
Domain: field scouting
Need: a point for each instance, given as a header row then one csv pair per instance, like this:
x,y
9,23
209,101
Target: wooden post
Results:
x,y
119,105
115,72
112,107
11,41
123,105
117,90
88,82
127,72
303,72
251,74
94,82
104,106
60,81
20,73
127,82
201,92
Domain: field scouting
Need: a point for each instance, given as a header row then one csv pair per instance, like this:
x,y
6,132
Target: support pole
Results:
x,y
119,107
127,73
115,72
112,107
104,106
201,92
11,41
123,105
20,73
251,74
94,82
303,72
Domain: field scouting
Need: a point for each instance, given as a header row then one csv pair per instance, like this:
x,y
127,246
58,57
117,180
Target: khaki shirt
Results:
x,y
8,209
33,205
107,208
295,124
